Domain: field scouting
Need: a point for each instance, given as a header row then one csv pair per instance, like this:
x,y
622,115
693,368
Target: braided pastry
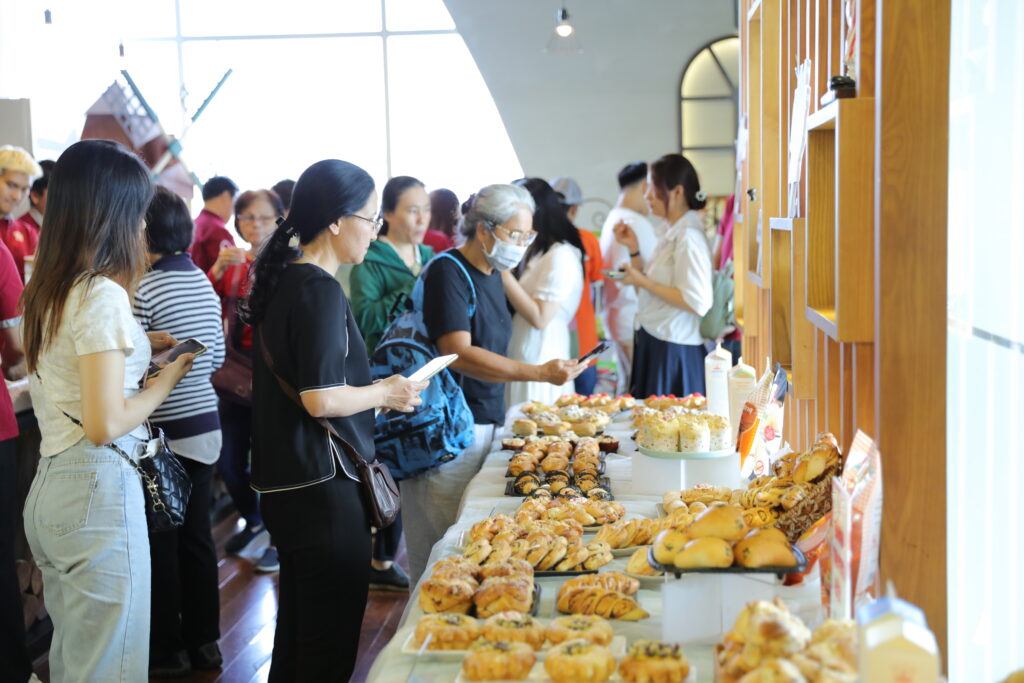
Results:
x,y
616,581
477,551
503,594
446,595
574,557
602,602
510,567
556,553
500,552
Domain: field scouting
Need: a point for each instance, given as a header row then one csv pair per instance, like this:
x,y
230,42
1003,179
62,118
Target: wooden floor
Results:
x,y
248,613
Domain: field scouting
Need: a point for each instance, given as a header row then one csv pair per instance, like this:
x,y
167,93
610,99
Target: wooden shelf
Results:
x,y
780,325
755,10
839,281
804,367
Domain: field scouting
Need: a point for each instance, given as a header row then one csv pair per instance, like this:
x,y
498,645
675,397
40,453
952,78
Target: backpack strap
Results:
x,y
465,273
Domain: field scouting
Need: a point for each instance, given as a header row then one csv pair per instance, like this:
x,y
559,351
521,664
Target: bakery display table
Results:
x,y
485,497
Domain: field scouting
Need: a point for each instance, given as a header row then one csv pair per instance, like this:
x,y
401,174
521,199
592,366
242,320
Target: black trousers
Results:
x,y
236,428
14,662
385,542
185,601
323,540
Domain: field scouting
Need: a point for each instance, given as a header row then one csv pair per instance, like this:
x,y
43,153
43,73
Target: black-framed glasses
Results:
x,y
377,222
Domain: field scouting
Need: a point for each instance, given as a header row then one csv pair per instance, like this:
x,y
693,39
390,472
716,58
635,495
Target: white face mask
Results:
x,y
504,256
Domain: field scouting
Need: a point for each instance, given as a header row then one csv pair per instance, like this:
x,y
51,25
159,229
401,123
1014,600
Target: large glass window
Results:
x,y
708,110
386,84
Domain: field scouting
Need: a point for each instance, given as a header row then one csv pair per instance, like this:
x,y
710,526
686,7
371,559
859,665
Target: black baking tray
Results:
x,y
605,483
801,565
571,573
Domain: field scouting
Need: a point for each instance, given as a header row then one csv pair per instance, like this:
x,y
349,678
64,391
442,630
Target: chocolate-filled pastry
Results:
x,y
608,443
543,493
514,444
569,492
526,483
587,481
557,475
599,493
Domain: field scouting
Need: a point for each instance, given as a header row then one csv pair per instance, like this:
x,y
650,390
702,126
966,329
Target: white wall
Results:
x,y
587,115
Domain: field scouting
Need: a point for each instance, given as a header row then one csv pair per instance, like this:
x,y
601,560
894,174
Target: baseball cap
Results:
x,y
569,189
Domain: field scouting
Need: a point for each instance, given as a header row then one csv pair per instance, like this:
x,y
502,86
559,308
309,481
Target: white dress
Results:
x,y
556,275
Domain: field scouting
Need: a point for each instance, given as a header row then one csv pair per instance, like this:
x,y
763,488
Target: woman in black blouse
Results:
x,y
311,500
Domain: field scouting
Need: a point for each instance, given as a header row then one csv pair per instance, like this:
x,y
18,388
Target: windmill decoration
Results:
x,y
122,114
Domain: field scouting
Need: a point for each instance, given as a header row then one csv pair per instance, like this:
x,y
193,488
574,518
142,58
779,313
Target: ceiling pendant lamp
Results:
x,y
563,39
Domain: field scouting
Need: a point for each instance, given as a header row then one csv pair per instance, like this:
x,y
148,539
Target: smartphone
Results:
x,y
614,274
428,371
165,358
594,352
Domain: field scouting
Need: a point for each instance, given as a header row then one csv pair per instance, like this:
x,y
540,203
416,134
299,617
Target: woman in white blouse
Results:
x,y
674,287
546,295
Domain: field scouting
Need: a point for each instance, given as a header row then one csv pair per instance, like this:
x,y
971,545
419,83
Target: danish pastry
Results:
x,y
587,626
446,631
498,661
446,595
514,627
511,567
600,601
579,661
652,661
503,594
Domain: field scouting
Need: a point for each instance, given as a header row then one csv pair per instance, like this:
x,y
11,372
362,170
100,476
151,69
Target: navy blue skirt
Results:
x,y
661,368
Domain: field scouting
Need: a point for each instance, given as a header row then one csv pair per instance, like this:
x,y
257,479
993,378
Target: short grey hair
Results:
x,y
495,205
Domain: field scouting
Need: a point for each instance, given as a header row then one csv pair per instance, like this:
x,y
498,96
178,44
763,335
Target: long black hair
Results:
x,y
96,200
549,220
326,191
392,194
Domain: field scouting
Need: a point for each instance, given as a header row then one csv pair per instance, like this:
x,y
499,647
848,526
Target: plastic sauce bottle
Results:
x,y
742,380
716,378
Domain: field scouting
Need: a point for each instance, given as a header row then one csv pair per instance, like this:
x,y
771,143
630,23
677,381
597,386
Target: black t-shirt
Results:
x,y
446,298
314,343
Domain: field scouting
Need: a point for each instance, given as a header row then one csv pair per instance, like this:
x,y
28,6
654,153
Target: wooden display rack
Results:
x,y
846,287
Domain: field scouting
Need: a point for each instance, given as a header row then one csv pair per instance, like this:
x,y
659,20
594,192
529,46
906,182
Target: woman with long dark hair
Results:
x,y
444,220
84,516
674,286
546,295
311,498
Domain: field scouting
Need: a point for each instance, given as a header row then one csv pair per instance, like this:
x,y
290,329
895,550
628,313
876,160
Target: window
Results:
x,y
708,111
386,84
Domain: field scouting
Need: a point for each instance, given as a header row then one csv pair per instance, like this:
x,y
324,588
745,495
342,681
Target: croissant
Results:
x,y
615,581
503,594
446,595
602,602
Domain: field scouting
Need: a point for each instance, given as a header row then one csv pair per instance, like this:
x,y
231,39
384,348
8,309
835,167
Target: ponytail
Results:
x,y
275,255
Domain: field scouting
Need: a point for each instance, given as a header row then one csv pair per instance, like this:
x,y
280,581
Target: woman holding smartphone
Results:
x,y
674,285
311,498
84,516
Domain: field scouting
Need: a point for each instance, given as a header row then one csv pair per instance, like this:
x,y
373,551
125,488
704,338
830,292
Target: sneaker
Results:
x,y
175,666
206,657
241,541
391,579
268,563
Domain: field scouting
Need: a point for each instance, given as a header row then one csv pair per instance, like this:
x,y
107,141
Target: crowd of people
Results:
x,y
289,323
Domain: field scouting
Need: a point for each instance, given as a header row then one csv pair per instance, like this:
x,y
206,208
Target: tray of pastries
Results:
x,y
460,584
720,540
577,661
770,643
550,547
606,443
450,636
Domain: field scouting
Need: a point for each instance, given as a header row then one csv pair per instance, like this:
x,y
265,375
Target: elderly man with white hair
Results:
x,y
17,171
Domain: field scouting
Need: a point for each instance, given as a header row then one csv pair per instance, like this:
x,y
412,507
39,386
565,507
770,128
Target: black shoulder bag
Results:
x,y
381,495
165,483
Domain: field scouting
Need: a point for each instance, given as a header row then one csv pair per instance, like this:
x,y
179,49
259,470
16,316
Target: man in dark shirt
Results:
x,y
498,227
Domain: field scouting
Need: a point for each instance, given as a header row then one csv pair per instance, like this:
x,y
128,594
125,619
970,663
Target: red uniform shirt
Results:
x,y
438,241
234,283
10,315
21,239
586,326
207,240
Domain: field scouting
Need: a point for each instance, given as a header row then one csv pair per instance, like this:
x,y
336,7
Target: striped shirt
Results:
x,y
176,297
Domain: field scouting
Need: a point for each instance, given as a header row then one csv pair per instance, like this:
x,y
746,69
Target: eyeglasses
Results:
x,y
523,239
265,220
377,222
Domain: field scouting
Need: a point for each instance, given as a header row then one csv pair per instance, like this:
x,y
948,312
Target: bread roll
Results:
x,y
721,521
639,565
705,552
667,544
524,427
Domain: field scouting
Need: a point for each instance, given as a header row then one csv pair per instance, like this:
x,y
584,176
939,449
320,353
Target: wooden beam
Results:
x,y
911,162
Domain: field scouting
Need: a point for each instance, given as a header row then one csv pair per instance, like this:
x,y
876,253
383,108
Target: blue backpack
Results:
x,y
442,426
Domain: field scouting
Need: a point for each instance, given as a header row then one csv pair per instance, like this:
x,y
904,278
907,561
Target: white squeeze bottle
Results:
x,y
742,380
716,380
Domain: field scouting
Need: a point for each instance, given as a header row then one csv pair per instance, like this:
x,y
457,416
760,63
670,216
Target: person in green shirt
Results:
x,y
394,260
